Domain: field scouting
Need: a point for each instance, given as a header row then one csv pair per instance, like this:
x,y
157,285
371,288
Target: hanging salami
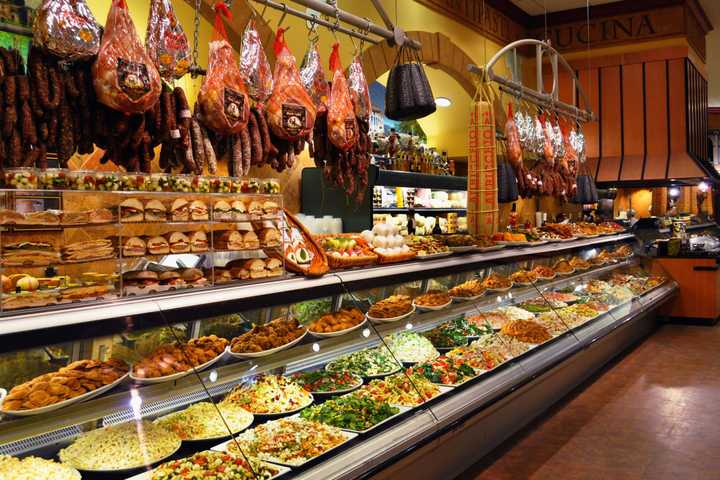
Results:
x,y
223,99
291,111
342,125
359,91
124,76
166,42
313,76
66,28
254,65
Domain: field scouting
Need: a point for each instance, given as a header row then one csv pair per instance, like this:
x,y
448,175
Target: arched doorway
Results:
x,y
438,51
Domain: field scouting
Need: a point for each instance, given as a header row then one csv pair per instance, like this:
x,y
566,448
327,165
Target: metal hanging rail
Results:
x,y
395,35
315,19
551,100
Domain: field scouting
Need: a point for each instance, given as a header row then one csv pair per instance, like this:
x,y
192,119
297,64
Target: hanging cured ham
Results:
x,y
359,91
124,76
67,28
223,99
342,125
166,42
313,78
290,110
254,65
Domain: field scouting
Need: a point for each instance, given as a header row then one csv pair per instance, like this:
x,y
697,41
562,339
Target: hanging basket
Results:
x,y
408,95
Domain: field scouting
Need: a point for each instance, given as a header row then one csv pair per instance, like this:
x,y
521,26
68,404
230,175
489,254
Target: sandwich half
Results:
x,y
178,241
131,210
155,211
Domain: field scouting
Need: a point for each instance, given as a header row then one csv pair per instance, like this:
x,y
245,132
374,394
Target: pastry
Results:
x,y
198,242
132,210
222,211
180,210
158,245
134,247
178,241
228,240
155,211
198,211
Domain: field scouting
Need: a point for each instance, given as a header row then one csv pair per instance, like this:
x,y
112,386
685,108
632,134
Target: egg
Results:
x,y
381,251
399,241
380,229
368,236
380,242
393,241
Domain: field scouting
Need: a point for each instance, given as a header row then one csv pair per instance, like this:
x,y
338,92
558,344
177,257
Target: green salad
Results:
x,y
351,412
443,337
462,326
366,363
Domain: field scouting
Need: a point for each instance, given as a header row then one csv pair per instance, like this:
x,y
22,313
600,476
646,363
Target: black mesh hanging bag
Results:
x,y
408,95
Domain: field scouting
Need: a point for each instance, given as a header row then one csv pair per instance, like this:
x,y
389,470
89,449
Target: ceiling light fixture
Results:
x,y
443,102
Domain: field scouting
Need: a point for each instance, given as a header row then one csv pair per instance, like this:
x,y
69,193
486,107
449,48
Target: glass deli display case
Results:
x,y
331,377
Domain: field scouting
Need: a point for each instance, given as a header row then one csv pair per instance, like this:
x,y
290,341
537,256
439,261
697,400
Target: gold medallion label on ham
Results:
x,y
124,76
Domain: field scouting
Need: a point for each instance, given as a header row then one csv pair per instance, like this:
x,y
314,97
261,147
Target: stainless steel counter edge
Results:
x,y
84,313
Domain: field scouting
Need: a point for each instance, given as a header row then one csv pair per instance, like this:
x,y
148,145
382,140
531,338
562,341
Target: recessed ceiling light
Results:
x,y
443,102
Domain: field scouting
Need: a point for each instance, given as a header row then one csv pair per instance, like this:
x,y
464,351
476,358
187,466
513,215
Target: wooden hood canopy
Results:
x,y
652,109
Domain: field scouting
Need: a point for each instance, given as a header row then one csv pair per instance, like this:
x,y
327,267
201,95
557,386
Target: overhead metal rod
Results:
x,y
313,18
363,24
543,100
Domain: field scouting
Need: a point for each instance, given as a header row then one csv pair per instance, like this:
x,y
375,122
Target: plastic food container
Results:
x,y
221,185
55,179
237,183
270,186
201,184
107,181
83,180
133,182
159,182
21,178
251,185
182,183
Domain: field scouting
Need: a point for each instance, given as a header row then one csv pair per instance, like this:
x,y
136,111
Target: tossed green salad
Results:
x,y
351,412
411,347
366,363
